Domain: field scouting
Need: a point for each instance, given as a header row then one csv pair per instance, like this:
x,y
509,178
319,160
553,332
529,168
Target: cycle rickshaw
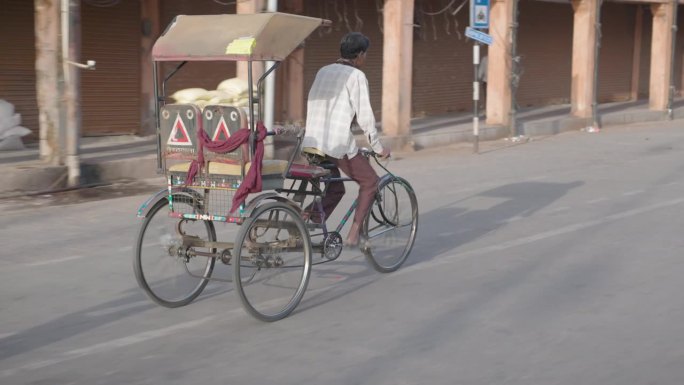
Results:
x,y
212,158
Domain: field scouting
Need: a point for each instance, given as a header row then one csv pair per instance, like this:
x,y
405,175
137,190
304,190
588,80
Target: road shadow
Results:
x,y
449,228
132,302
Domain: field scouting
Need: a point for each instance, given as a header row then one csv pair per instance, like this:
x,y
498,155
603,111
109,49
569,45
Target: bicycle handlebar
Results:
x,y
367,152
288,130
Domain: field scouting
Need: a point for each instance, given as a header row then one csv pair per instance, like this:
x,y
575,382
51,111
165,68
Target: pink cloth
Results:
x,y
252,181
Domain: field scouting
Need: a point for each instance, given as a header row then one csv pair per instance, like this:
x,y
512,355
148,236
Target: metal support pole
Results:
x,y
252,125
514,79
670,98
476,98
157,128
269,96
595,124
71,52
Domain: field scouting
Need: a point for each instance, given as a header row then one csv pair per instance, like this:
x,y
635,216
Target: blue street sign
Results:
x,y
479,14
479,36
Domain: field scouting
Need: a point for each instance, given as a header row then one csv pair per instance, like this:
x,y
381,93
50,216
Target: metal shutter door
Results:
x,y
323,46
616,55
442,61
110,95
18,68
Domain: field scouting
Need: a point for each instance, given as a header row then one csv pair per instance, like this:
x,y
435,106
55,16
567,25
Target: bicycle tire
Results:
x,y
279,273
166,236
391,225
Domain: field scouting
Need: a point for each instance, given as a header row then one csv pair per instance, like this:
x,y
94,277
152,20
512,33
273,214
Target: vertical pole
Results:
x,y
269,97
513,73
636,57
71,38
250,89
595,127
670,98
476,98
157,128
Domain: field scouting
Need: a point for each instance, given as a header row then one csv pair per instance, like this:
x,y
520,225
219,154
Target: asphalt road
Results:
x,y
557,261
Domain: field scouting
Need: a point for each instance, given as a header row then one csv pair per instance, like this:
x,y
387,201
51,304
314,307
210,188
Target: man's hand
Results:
x,y
385,153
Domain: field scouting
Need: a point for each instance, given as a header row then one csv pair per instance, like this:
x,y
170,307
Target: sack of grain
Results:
x,y
9,121
6,108
188,95
233,86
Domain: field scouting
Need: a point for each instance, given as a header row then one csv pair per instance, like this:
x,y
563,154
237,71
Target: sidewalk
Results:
x,y
118,158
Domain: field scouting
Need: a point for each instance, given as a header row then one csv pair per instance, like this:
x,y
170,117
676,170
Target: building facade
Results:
x,y
418,48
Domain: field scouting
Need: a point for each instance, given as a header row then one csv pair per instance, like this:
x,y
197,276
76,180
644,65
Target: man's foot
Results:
x,y
352,244
353,236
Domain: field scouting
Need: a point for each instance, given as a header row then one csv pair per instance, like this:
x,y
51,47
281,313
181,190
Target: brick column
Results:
x,y
661,54
149,13
397,67
583,63
292,92
48,72
499,68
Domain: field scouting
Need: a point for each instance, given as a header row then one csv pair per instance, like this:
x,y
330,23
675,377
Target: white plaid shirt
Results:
x,y
339,100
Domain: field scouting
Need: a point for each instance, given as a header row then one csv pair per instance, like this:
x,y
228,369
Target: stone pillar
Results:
x,y
499,66
661,54
397,68
48,72
583,63
249,7
149,14
292,92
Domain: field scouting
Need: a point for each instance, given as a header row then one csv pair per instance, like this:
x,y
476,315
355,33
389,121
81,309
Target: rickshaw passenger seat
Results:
x,y
268,167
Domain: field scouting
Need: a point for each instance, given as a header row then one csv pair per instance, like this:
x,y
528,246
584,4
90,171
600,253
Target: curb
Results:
x,y
123,161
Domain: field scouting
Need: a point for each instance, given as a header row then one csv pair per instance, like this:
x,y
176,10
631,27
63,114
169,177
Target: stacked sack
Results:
x,y
232,92
10,129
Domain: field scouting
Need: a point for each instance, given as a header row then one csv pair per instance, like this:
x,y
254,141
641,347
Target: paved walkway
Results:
x,y
109,159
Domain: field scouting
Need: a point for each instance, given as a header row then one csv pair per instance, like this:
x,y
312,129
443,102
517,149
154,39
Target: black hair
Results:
x,y
353,44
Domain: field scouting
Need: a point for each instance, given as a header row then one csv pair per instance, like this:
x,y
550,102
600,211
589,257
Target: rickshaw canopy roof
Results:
x,y
230,37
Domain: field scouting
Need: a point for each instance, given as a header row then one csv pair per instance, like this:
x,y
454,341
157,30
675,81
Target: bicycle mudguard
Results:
x,y
151,201
385,179
254,203
162,194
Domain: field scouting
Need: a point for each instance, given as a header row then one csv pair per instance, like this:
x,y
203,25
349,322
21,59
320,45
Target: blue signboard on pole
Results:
x,y
479,36
479,14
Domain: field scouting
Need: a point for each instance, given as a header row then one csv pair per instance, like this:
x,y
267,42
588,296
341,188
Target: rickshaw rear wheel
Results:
x,y
164,267
274,251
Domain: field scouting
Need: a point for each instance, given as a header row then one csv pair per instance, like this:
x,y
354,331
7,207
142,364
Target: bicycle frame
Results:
x,y
318,193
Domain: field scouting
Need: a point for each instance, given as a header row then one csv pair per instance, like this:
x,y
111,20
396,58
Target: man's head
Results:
x,y
353,47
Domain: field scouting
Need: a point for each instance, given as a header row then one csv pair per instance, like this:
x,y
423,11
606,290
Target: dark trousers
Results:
x,y
360,170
